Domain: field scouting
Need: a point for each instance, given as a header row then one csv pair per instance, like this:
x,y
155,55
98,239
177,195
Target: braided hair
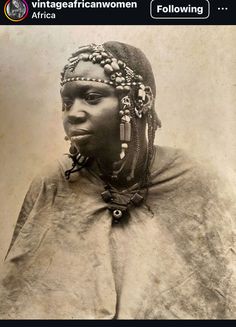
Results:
x,y
133,58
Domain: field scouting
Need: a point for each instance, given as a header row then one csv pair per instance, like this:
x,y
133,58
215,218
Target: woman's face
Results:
x,y
91,112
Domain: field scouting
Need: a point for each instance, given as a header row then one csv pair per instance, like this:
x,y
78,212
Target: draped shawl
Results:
x,y
172,259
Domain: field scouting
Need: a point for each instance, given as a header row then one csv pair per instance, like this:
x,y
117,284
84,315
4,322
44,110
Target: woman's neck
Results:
x,y
107,169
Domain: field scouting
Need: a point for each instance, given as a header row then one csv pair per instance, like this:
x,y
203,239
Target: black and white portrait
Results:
x,y
118,180
16,9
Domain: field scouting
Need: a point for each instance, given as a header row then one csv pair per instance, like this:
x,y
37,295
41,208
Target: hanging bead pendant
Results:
x,y
117,213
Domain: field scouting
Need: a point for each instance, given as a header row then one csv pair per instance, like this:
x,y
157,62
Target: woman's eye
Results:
x,y
66,104
93,98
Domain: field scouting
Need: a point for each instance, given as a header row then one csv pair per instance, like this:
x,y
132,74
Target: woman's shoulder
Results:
x,y
54,171
179,161
197,192
171,163
200,175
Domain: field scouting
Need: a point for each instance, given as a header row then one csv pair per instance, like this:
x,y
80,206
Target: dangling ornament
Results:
x,y
78,161
125,125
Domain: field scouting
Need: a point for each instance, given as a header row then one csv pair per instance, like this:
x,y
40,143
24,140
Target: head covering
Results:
x,y
128,70
135,59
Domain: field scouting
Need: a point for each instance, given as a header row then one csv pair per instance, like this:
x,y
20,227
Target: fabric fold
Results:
x,y
172,259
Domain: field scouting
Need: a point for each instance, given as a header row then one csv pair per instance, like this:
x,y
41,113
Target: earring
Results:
x,y
72,150
125,125
78,161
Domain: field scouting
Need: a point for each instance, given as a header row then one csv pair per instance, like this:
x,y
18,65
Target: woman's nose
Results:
x,y
77,113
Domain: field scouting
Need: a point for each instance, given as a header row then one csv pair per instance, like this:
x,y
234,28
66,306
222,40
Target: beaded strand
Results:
x,y
81,78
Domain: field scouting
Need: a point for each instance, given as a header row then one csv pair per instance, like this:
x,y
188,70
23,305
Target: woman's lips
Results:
x,y
79,135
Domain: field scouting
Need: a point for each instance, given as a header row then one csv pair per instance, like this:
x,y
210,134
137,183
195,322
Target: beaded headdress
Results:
x,y
123,78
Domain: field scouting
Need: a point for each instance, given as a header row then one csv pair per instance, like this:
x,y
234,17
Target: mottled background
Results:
x,y
195,68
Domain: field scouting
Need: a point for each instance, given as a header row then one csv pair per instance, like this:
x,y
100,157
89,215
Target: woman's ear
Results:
x,y
149,99
148,104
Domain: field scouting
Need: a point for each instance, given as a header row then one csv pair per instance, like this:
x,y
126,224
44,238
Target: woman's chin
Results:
x,y
86,151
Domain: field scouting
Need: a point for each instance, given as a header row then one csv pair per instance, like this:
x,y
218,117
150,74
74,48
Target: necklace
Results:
x,y
120,202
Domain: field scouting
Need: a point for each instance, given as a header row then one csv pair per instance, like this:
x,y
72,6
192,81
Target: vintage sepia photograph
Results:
x,y
118,179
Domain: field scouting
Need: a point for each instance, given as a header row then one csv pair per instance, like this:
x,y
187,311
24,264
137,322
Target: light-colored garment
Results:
x,y
175,261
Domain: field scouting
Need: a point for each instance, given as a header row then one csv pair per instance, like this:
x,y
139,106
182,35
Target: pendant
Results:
x,y
117,213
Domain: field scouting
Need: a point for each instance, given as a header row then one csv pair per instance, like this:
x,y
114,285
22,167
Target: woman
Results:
x,y
16,9
120,228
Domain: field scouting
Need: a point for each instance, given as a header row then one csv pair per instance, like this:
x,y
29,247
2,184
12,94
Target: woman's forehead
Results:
x,y
76,87
87,69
